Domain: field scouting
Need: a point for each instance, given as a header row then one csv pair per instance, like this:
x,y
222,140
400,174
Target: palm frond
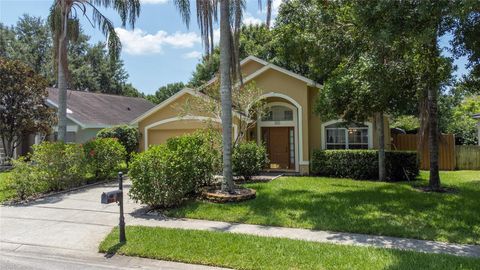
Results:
x,y
207,11
129,10
183,7
107,28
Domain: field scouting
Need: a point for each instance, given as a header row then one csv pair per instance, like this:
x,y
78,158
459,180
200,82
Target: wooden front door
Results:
x,y
277,141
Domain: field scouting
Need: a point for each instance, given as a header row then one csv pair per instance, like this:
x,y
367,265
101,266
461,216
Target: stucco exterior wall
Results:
x,y
273,81
180,125
250,67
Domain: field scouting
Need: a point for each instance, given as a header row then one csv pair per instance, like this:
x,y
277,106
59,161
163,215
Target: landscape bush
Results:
x,y
363,164
24,179
248,159
164,175
104,156
59,165
128,136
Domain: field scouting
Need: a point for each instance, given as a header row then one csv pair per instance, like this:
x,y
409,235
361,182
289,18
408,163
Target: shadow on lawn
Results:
x,y
112,250
383,209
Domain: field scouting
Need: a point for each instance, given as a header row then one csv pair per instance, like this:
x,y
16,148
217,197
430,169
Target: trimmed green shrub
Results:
x,y
363,164
401,165
104,157
25,179
248,159
128,136
60,165
164,175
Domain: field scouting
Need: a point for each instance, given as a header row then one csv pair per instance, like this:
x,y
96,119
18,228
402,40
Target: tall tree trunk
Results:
x,y
381,147
269,13
433,138
62,76
226,94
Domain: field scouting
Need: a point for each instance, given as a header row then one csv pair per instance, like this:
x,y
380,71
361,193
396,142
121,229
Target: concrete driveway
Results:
x,y
65,230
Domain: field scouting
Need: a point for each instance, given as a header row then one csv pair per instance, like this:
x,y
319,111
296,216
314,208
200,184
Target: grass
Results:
x,y
241,251
344,205
5,191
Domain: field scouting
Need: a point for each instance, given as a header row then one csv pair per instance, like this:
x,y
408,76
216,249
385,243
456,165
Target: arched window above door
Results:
x,y
278,113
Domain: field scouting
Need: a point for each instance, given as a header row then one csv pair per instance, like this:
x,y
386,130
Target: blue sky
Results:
x,y
161,49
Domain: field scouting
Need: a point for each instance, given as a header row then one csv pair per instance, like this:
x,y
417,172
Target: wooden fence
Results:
x,y
447,155
468,157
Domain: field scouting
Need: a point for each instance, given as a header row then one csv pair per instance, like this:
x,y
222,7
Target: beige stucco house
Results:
x,y
290,130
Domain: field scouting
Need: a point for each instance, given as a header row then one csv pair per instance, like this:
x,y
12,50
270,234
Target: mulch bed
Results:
x,y
240,194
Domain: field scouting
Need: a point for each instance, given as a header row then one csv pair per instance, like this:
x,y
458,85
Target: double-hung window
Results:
x,y
346,136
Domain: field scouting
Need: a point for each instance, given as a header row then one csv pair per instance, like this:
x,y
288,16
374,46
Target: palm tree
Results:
x,y
64,21
269,14
229,61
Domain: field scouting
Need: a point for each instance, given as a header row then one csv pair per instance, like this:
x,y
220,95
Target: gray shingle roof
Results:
x,y
476,116
95,109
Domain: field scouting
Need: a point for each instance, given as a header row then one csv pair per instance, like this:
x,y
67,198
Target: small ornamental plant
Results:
x,y
104,157
127,136
249,159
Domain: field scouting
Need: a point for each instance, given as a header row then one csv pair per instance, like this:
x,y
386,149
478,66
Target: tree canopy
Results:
x,y
22,96
91,68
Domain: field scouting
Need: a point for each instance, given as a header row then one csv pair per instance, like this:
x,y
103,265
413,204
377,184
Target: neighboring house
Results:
x,y
477,117
88,113
291,130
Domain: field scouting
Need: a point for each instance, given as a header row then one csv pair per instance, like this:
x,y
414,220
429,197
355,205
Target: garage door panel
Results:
x,y
161,136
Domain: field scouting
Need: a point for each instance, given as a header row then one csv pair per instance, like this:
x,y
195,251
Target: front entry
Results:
x,y
280,147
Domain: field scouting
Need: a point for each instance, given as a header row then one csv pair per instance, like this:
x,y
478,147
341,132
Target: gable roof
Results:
x,y
164,104
268,66
96,110
171,99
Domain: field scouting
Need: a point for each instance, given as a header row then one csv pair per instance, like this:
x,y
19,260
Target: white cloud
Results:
x,y
248,19
139,42
193,54
153,1
275,7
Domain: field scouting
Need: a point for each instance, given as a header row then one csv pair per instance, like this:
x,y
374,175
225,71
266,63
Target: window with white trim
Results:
x,y
346,136
278,113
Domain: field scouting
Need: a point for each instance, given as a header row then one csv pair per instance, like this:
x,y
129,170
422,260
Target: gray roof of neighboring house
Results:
x,y
90,109
476,116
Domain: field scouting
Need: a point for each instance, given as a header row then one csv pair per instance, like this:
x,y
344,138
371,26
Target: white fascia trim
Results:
x,y
253,58
268,66
173,119
282,70
323,134
51,103
169,101
163,104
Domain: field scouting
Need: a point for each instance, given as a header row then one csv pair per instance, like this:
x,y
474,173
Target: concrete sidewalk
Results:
x,y
313,235
78,222
63,232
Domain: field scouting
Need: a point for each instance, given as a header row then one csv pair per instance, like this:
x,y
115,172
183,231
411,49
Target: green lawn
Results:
x,y
5,191
343,205
241,251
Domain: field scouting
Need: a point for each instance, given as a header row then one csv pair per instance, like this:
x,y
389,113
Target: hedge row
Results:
x,y
55,166
363,164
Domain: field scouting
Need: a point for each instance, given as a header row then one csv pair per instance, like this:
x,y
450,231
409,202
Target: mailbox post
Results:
x,y
121,224
117,196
